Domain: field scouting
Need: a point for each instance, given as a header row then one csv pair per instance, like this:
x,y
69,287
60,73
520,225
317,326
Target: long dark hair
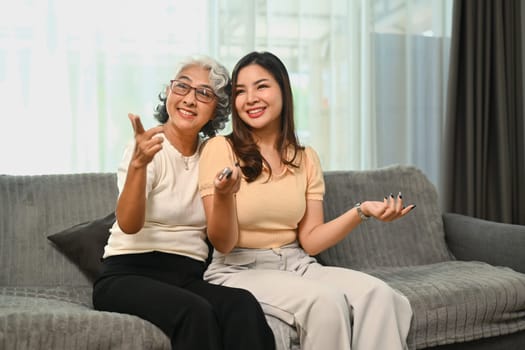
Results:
x,y
241,137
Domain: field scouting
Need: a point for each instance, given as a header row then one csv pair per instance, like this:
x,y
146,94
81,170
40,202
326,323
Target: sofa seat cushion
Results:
x,y
62,319
75,295
459,301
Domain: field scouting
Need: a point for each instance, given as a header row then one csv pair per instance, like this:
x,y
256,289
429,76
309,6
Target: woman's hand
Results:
x,y
221,211
146,145
131,204
228,181
390,209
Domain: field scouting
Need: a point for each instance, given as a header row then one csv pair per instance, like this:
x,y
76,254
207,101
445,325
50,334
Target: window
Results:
x,y
368,76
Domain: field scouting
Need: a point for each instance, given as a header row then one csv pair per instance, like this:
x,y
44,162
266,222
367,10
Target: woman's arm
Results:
x,y
221,213
131,204
315,236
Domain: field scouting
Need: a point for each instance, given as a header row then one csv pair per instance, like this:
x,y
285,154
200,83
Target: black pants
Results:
x,y
168,290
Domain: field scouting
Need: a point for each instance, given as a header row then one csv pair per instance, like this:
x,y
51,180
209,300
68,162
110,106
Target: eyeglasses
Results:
x,y
202,94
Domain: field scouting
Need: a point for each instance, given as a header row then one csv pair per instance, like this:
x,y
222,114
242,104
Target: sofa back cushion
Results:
x,y
33,207
416,239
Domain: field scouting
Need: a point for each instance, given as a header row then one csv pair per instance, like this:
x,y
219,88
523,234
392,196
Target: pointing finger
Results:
x,y
136,123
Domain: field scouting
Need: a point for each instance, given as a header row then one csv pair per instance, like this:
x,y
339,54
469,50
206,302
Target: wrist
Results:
x,y
223,197
135,164
360,213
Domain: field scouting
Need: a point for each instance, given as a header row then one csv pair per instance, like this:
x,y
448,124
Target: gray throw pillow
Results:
x,y
83,244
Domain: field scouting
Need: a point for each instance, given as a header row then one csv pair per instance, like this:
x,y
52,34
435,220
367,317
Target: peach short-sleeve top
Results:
x,y
268,210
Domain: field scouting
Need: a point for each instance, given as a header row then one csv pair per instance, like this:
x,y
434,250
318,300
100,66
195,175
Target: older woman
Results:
x,y
155,256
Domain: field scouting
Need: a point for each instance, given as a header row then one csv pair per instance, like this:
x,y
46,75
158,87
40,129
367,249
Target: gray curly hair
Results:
x,y
221,85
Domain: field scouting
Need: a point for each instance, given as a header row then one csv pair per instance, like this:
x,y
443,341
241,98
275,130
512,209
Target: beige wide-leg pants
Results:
x,y
330,307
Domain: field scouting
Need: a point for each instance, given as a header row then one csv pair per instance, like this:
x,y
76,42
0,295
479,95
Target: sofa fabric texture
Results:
x,y
417,239
462,300
48,263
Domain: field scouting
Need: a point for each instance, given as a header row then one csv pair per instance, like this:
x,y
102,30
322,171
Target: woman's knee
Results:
x,y
198,307
247,299
383,291
240,301
380,293
329,304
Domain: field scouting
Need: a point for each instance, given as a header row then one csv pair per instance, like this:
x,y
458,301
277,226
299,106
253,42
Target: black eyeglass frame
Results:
x,y
185,88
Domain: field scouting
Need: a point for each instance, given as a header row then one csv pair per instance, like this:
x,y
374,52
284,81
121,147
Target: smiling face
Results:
x,y
187,114
258,98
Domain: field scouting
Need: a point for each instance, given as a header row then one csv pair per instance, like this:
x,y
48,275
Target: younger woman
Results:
x,y
266,222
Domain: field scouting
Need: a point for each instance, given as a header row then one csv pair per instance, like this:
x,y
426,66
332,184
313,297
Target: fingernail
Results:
x,y
392,195
399,195
413,207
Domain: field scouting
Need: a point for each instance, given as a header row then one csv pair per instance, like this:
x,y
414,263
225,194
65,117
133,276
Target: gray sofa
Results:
x,y
463,276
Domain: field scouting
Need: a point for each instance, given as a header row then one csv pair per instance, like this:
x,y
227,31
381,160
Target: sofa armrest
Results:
x,y
498,244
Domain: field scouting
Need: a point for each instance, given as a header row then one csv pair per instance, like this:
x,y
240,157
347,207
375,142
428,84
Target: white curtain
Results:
x,y
369,76
71,70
